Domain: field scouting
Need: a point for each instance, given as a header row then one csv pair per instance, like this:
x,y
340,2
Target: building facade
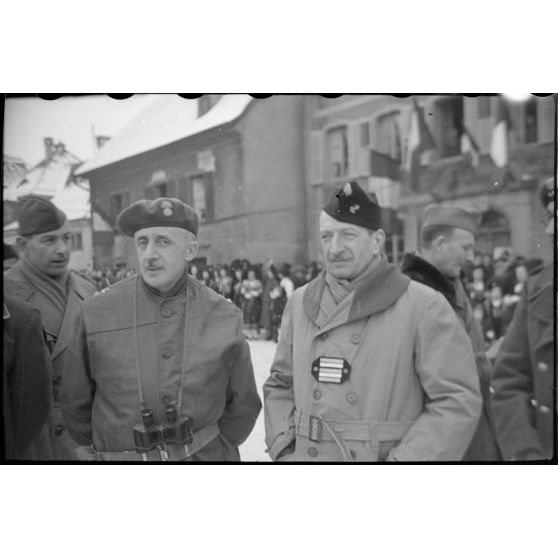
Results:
x,y
342,131
238,161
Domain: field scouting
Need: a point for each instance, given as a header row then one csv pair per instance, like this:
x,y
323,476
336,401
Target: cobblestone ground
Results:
x,y
262,353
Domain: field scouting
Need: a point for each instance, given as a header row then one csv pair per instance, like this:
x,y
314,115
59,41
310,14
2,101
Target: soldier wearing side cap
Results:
x,y
448,237
370,365
524,371
41,277
160,368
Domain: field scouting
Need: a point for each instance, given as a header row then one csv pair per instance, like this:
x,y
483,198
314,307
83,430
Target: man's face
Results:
x,y
163,253
455,251
348,249
49,252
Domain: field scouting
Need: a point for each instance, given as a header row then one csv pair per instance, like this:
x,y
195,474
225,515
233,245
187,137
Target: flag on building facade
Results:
x,y
384,179
469,146
499,141
419,140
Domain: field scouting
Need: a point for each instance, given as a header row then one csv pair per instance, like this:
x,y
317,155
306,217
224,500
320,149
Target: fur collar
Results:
x,y
421,271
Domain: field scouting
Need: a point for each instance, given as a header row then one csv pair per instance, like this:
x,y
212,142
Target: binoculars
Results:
x,y
148,435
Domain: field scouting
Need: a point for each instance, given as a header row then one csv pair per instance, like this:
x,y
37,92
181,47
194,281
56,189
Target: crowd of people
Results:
x,y
261,290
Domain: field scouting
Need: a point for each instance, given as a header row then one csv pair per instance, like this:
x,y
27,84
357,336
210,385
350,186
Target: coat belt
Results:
x,y
382,431
176,453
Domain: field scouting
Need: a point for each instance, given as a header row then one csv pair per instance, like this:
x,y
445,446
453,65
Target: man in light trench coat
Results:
x,y
370,365
160,368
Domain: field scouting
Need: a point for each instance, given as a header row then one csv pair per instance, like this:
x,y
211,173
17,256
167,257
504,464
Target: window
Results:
x,y
530,123
483,107
364,134
76,242
449,118
154,191
197,191
117,203
494,232
338,152
198,196
388,135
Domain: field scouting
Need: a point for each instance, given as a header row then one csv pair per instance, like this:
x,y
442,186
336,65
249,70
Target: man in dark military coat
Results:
x,y
160,368
41,277
448,236
524,372
26,378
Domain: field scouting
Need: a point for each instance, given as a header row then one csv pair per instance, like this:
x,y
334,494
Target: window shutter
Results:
x,y
316,157
545,118
209,197
353,139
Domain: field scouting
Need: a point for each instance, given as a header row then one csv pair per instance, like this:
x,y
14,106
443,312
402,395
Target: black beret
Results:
x,y
351,204
162,212
547,192
438,216
37,215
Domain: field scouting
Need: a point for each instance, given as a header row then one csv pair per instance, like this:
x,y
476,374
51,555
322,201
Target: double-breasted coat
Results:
x,y
54,443
189,352
412,393
524,375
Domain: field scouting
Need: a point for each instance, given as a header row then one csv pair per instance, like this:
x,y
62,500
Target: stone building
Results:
x,y
342,131
239,161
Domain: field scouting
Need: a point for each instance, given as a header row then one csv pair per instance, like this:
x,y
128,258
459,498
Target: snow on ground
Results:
x,y
262,353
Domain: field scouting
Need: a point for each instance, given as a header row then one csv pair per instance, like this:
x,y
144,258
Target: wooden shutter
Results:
x,y
316,157
209,197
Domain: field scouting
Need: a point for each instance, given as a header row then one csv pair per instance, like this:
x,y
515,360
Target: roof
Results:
x,y
168,119
53,178
14,169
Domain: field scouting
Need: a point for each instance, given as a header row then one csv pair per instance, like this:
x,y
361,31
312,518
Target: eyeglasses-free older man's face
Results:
x,y
163,253
348,249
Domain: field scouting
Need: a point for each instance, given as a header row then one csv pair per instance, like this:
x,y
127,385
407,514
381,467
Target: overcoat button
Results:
x,y
166,354
534,403
542,366
317,394
544,409
352,398
167,312
59,429
312,451
355,338
166,399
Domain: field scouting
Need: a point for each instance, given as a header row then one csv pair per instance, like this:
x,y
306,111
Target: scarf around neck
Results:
x,y
55,290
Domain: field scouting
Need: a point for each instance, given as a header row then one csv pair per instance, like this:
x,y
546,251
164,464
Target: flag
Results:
x,y
499,141
469,146
384,180
419,140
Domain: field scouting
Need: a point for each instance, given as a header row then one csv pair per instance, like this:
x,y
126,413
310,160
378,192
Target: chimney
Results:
x,y
49,148
101,140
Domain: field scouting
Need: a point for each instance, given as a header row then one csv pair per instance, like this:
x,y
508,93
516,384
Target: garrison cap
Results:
x,y
438,216
547,191
351,204
37,215
162,212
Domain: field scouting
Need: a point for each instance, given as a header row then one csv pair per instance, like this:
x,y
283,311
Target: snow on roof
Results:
x,y
14,170
168,119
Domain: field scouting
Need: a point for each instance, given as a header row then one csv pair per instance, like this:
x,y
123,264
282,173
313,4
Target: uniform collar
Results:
x,y
376,292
